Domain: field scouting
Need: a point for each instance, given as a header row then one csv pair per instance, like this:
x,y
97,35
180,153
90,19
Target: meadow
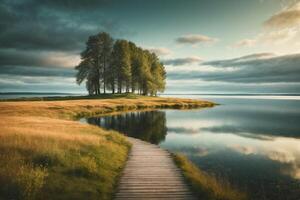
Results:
x,y
46,153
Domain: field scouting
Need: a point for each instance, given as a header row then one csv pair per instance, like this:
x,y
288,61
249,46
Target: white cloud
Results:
x,y
160,51
195,39
183,61
287,18
244,43
279,28
274,37
254,68
38,58
61,59
196,69
277,36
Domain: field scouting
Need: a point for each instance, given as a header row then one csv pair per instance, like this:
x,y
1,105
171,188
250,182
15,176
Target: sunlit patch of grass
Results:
x,y
74,109
207,186
20,179
44,158
46,155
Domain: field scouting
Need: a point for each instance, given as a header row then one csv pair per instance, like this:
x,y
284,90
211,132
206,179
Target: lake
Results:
x,y
16,95
251,141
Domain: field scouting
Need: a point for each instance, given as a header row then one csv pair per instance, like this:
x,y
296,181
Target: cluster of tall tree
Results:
x,y
119,66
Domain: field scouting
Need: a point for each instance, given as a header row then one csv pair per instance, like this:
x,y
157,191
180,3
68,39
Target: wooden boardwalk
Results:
x,y
150,173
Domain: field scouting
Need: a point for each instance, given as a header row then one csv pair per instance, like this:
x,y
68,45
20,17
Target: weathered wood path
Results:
x,y
150,173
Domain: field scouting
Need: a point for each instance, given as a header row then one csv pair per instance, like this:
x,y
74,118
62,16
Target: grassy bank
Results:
x,y
204,185
74,109
44,158
45,154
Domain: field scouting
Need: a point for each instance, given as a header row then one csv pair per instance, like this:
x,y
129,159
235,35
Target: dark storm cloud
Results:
x,y
239,61
42,38
37,71
218,87
182,61
51,25
33,63
23,83
13,57
66,5
256,68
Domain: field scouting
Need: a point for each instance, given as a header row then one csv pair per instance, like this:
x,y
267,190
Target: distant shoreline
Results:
x,y
85,94
240,94
40,96
38,93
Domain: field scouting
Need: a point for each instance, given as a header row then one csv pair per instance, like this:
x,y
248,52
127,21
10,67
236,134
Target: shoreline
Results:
x,y
41,136
74,109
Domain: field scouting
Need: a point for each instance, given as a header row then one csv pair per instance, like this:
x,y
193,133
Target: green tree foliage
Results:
x,y
119,66
122,62
107,44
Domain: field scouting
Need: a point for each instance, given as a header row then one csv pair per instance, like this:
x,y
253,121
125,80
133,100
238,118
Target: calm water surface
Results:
x,y
252,142
16,95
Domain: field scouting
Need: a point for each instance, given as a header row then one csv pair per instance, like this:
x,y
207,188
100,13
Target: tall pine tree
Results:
x,y
119,65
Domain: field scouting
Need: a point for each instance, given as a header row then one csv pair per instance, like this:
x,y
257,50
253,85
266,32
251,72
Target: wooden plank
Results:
x,y
150,173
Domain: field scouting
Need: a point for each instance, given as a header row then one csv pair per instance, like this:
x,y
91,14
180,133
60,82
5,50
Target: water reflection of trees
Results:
x,y
149,126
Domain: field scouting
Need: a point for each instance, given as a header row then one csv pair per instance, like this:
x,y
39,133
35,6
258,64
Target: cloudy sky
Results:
x,y
207,46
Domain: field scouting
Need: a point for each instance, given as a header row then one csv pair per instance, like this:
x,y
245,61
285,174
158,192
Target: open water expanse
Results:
x,y
251,141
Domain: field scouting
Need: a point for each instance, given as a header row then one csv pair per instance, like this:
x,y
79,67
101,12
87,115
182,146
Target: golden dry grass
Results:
x,y
205,185
42,156
76,108
46,155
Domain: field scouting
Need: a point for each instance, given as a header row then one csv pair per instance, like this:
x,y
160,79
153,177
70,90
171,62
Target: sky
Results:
x,y
207,46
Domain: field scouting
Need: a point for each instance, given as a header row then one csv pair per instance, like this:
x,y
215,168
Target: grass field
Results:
x,y
46,154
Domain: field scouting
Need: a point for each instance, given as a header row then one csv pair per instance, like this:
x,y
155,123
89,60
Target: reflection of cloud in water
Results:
x,y
223,130
282,156
189,123
202,152
255,134
191,126
192,151
283,150
293,171
243,149
181,130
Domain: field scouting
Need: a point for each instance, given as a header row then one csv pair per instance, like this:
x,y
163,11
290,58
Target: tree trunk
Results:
x,y
127,87
99,87
104,74
120,87
113,88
